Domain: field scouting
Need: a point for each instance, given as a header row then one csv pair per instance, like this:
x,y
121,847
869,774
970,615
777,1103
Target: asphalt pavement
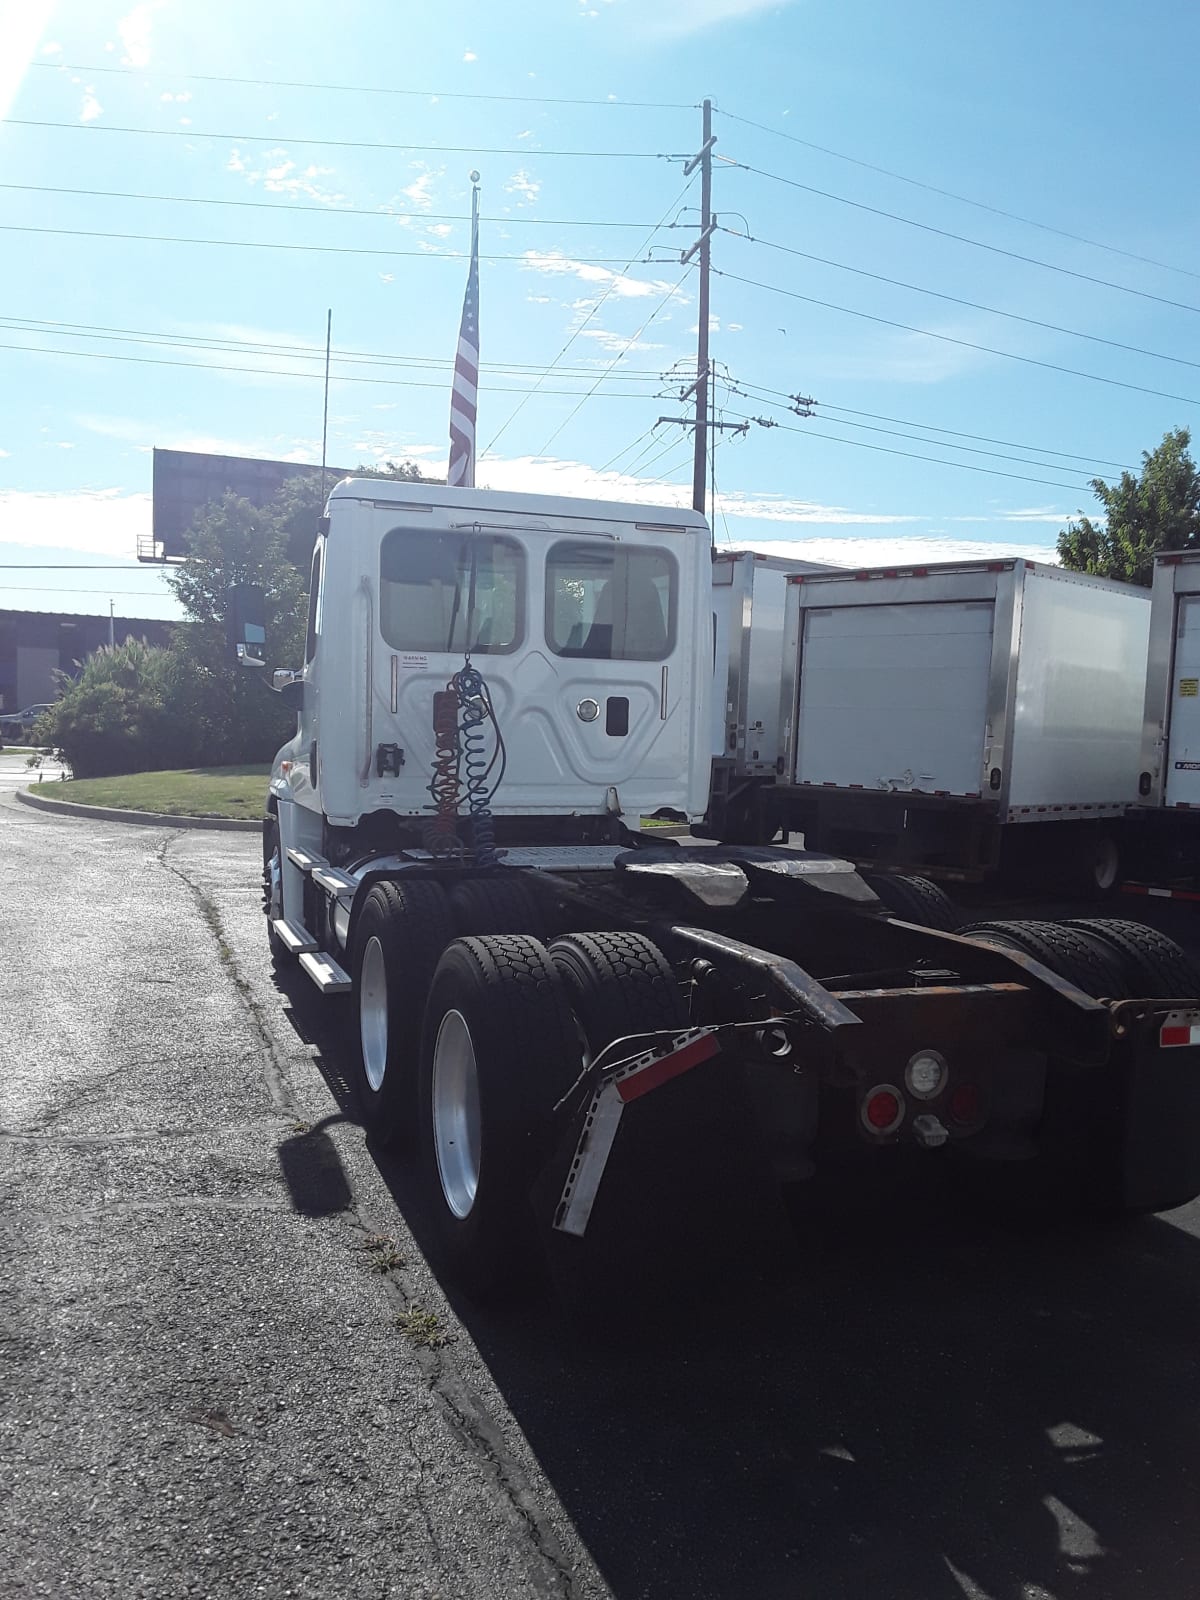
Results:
x,y
204,1390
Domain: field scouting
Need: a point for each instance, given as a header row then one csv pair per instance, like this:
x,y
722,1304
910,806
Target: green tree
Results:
x,y
232,715
116,716
300,501
1158,510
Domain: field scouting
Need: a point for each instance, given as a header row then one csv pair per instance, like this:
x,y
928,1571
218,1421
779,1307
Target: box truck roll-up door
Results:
x,y
1183,740
895,696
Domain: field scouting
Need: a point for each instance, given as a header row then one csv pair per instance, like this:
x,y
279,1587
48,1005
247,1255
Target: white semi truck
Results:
x,y
960,720
496,688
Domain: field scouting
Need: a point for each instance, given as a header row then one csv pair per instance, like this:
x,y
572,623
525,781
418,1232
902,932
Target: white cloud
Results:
x,y
549,475
51,49
617,343
144,434
885,550
526,133
469,55
91,107
4,454
134,32
523,185
553,262
440,230
64,444
277,173
104,522
180,99
387,277
418,191
675,18
1038,514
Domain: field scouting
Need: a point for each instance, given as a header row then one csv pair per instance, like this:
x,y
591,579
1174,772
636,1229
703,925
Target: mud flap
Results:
x,y
1160,1155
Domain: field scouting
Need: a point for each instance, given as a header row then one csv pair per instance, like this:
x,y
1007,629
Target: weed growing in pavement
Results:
x,y
423,1328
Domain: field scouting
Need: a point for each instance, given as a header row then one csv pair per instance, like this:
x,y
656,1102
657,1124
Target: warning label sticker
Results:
x,y
414,661
1187,766
1189,686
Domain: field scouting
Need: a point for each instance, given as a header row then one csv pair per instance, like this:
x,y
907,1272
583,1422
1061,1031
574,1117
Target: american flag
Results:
x,y
464,397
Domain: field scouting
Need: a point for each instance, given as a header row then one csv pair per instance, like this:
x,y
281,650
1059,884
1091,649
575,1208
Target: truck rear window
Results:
x,y
604,603
450,591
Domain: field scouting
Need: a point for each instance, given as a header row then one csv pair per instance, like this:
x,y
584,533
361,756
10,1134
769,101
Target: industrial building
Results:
x,y
34,645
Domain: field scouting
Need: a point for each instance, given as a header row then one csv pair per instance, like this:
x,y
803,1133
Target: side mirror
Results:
x,y
289,686
247,625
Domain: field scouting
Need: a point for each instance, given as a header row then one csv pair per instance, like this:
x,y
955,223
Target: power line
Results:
x,y
649,435
937,461
967,344
576,331
52,588
365,88
957,300
914,438
670,295
274,372
69,566
338,144
327,210
312,249
776,397
200,343
966,200
960,238
982,437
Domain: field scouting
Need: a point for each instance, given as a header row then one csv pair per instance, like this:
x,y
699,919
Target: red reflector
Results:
x,y
964,1103
883,1109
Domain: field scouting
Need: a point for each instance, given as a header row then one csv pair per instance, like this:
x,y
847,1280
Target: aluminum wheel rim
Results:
x,y
1108,862
456,1115
373,1014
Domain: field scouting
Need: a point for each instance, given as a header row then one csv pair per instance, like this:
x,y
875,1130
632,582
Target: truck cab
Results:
x,y
590,626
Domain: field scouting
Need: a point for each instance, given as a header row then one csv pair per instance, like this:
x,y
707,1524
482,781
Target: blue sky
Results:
x,y
1078,116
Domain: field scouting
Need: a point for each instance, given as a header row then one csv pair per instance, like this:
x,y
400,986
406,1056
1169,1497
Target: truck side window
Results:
x,y
445,591
605,603
314,608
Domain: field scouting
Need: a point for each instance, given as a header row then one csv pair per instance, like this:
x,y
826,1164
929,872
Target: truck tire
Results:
x,y
499,1050
272,866
1096,864
1154,967
401,931
618,984
1068,950
916,900
501,904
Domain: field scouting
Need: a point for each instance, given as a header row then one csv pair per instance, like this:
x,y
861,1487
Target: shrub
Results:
x,y
117,715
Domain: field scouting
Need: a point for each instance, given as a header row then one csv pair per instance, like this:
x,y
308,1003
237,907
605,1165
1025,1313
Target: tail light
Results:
x,y
882,1109
965,1104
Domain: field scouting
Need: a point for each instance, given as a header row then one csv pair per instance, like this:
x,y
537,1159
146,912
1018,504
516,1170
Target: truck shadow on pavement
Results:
x,y
907,1402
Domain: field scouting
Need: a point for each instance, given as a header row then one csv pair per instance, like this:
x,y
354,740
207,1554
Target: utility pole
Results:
x,y
702,246
111,627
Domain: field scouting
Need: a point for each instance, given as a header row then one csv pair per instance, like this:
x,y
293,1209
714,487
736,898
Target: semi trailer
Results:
x,y
960,720
495,688
1168,798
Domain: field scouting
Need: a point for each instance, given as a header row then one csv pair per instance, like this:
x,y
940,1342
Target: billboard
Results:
x,y
187,480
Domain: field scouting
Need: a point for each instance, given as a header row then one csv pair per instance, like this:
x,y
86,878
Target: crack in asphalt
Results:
x,y
461,1410
274,1068
143,1136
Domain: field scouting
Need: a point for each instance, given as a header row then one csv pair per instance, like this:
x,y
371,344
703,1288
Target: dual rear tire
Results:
x,y
466,1046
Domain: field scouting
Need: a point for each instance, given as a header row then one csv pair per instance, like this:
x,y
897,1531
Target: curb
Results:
x,y
149,819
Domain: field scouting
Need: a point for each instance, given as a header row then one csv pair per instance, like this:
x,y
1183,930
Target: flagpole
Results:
x,y
464,394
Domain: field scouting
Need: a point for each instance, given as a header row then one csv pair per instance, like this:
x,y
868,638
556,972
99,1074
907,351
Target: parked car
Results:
x,y
20,723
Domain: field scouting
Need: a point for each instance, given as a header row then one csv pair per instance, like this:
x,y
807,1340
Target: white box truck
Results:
x,y
958,719
1168,799
541,994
